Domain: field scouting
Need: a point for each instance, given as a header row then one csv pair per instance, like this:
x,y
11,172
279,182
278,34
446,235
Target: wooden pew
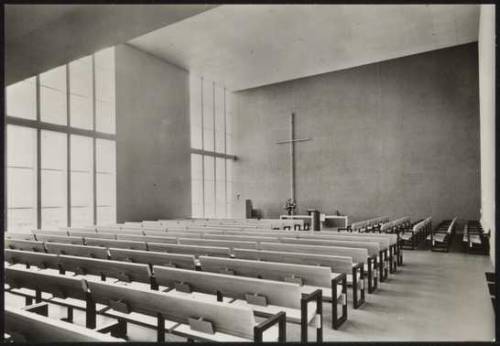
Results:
x,y
224,243
123,271
49,238
147,238
90,295
196,320
373,250
154,258
64,290
27,245
124,244
190,249
337,264
89,234
441,237
32,327
19,236
264,297
77,250
30,258
311,278
250,238
410,238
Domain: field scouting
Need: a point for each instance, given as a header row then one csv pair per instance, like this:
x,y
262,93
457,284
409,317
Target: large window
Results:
x,y
211,155
61,154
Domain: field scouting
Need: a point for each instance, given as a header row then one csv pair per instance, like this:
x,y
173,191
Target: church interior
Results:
x,y
249,173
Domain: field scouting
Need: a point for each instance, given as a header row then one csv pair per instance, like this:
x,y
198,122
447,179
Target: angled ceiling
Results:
x,y
40,37
245,46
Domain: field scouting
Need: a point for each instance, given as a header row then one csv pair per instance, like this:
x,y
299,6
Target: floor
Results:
x,y
433,297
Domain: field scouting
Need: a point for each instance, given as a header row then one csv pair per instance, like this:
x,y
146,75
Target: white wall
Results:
x,y
487,119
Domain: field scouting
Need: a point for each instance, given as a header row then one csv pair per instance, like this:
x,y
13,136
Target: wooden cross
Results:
x,y
292,141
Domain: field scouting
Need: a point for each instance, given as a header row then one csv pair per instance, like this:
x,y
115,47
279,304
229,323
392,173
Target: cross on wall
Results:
x,y
292,142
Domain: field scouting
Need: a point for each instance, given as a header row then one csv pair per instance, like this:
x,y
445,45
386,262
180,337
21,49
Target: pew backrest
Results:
x,y
19,236
123,271
153,258
61,286
224,243
225,317
310,275
190,249
77,250
39,259
48,238
372,247
277,293
358,255
37,328
26,245
124,244
337,264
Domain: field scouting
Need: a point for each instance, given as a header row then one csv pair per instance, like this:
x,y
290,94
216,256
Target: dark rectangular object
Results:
x,y
294,279
183,287
201,325
256,299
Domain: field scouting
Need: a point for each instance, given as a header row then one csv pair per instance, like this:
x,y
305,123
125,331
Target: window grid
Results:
x,y
68,130
219,203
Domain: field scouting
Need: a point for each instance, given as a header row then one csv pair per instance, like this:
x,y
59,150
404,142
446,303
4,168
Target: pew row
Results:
x,y
310,278
190,318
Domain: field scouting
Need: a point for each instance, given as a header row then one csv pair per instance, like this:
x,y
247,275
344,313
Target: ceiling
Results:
x,y
245,46
40,37
23,19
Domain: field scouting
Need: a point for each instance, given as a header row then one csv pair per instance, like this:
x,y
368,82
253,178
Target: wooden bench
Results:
x,y
27,245
223,243
264,297
123,244
338,246
186,317
49,238
190,249
77,250
148,238
154,258
310,278
441,237
412,237
19,236
30,258
230,323
337,264
26,326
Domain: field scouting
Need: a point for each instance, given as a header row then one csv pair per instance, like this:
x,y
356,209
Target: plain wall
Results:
x,y
487,110
152,138
395,138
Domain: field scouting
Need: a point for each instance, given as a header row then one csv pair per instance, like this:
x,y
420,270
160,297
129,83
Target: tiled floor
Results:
x,y
434,297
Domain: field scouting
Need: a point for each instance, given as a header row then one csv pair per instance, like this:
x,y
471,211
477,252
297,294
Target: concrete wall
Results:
x,y
153,157
392,138
487,110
